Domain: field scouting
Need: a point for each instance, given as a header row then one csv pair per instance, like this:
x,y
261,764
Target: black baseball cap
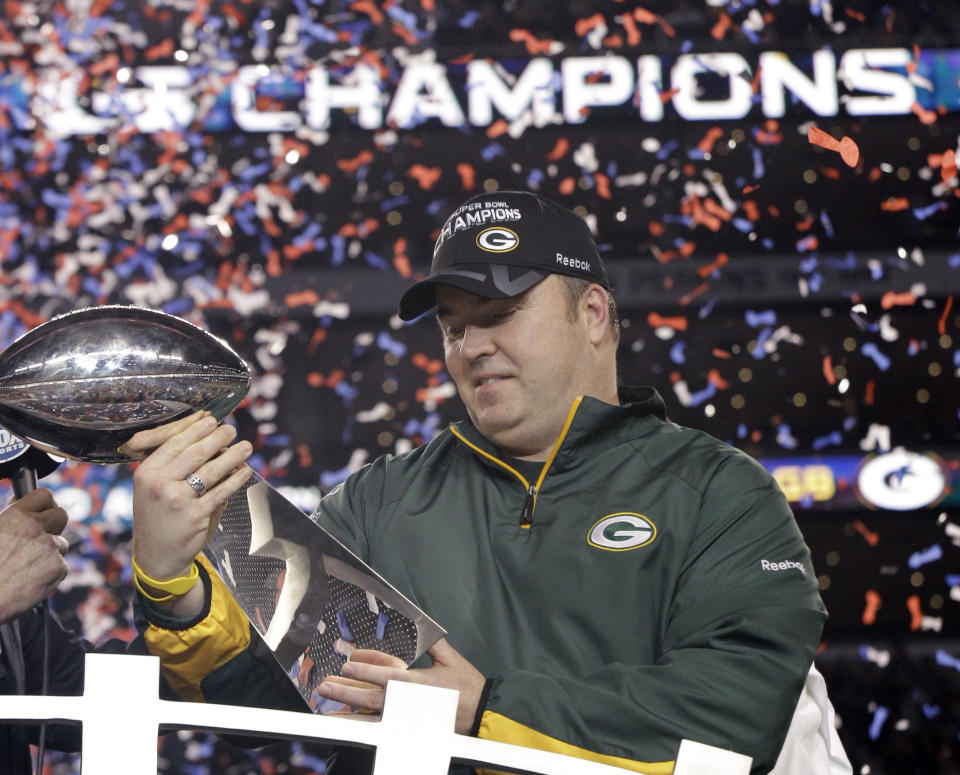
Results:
x,y
501,244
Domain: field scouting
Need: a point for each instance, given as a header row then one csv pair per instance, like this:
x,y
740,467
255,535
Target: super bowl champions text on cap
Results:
x,y
477,214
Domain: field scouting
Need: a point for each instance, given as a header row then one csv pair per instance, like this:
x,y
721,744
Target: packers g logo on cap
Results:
x,y
622,531
497,239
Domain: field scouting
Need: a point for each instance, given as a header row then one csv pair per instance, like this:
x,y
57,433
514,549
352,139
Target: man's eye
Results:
x,y
453,332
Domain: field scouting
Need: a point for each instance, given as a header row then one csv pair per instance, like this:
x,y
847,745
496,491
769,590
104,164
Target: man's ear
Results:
x,y
595,306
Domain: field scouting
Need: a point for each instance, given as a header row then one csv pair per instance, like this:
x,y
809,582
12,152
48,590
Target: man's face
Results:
x,y
517,362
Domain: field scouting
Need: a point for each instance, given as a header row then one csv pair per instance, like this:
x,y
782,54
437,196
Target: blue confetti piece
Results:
x,y
702,395
741,431
931,711
785,437
924,556
385,342
954,260
346,391
330,479
947,660
492,151
667,148
758,169
834,438
743,225
826,223
339,246
382,621
871,350
676,352
344,628
374,260
469,19
394,202
758,351
178,306
757,319
815,281
953,579
809,264
254,171
922,213
879,718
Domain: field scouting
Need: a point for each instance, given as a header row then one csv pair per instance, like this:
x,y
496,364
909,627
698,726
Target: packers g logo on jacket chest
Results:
x,y
621,531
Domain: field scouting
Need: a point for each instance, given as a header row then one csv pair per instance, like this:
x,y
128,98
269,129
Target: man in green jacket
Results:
x,y
611,583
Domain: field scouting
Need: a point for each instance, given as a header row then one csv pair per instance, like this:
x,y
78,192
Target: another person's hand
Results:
x,y
171,520
363,680
31,552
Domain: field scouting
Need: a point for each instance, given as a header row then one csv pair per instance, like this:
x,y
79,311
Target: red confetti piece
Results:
x,y
714,378
644,16
948,169
583,26
770,134
894,299
603,185
942,323
634,36
676,323
847,148
319,336
916,612
872,606
688,297
722,27
869,392
567,186
160,51
401,262
534,46
869,536
352,165
468,175
498,128
895,204
715,208
369,8
724,354
926,117
430,365
559,150
709,139
108,64
828,374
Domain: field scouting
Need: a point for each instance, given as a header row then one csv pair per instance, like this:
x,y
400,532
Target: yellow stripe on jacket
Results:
x,y
188,656
494,726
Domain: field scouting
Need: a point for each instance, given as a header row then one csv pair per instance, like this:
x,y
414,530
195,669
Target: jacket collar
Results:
x,y
596,425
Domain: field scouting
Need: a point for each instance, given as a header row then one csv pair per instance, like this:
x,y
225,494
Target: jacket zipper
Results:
x,y
530,497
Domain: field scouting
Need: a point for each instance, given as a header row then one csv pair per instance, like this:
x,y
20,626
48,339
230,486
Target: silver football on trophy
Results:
x,y
84,382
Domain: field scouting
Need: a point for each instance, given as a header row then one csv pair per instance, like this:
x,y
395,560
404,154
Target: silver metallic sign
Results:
x,y
83,383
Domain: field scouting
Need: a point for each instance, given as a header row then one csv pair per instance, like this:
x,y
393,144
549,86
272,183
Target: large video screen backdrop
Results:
x,y
773,184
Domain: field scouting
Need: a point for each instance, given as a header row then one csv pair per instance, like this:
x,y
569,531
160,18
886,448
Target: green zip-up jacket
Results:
x,y
647,583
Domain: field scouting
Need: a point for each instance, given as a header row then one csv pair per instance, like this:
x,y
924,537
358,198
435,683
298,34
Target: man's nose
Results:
x,y
477,341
